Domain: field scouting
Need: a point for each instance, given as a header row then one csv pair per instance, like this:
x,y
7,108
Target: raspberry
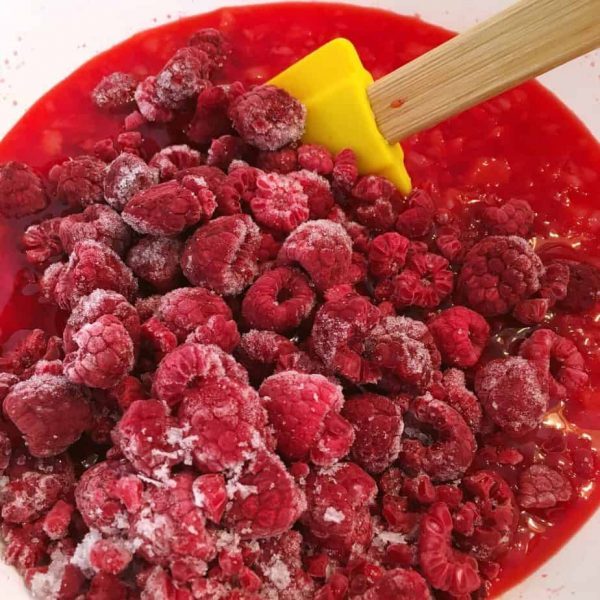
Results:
x,y
126,176
267,117
278,300
497,273
404,349
214,43
97,304
444,567
185,309
147,307
318,192
532,311
226,420
452,448
188,366
425,282
5,446
156,261
42,242
265,501
322,248
375,202
279,203
315,158
224,150
514,217
223,187
221,255
345,170
282,161
172,159
461,335
217,330
25,547
378,216
378,425
106,150
558,360
210,494
338,336
109,556
583,291
96,222
57,520
555,282
157,340
149,104
183,77
107,587
417,220
21,191
387,254
79,181
542,487
513,393
33,347
115,92
399,584
104,354
299,407
261,351
461,399
449,243
170,208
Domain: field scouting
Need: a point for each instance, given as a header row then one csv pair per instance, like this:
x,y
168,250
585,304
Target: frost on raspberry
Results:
x,y
49,411
461,335
265,500
498,272
417,220
378,425
21,191
227,190
268,117
42,242
104,354
279,203
462,399
149,104
399,584
188,366
339,332
171,207
513,393
322,248
115,92
96,222
318,192
542,487
281,161
127,175
156,261
79,181
513,217
375,202
172,159
557,359
345,170
279,300
387,254
222,255
315,158
304,412
555,282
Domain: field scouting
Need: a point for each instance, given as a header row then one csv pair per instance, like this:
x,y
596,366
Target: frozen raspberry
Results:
x,y
156,261
5,446
318,192
172,159
322,248
226,422
127,175
449,243
338,336
223,187
49,411
417,220
115,92
514,217
267,117
542,487
583,291
404,349
188,366
25,547
399,584
279,300
210,494
21,191
461,399
378,425
224,150
387,254
107,587
221,255
96,222
214,43
498,272
261,351
109,556
27,352
105,150
57,520
315,158
557,359
371,188
379,216
183,77
532,311
555,282
345,170
265,500
280,202
171,207
79,181
42,242
425,282
149,104
461,335
513,394
147,307
452,446
300,407
282,161
157,340
7,380
444,567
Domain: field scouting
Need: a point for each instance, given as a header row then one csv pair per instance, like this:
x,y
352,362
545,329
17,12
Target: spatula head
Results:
x,y
332,83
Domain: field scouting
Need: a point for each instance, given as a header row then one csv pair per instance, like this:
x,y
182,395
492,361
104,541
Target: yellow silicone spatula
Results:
x,y
347,109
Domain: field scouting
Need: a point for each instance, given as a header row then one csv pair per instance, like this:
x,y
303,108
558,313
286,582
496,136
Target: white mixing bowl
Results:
x,y
42,41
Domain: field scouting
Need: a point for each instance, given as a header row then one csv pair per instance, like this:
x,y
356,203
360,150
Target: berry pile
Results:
x,y
289,374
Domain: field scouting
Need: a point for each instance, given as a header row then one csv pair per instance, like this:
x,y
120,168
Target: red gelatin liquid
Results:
x,y
523,144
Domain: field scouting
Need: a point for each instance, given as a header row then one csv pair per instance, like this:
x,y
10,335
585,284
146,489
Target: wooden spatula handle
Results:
x,y
525,40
